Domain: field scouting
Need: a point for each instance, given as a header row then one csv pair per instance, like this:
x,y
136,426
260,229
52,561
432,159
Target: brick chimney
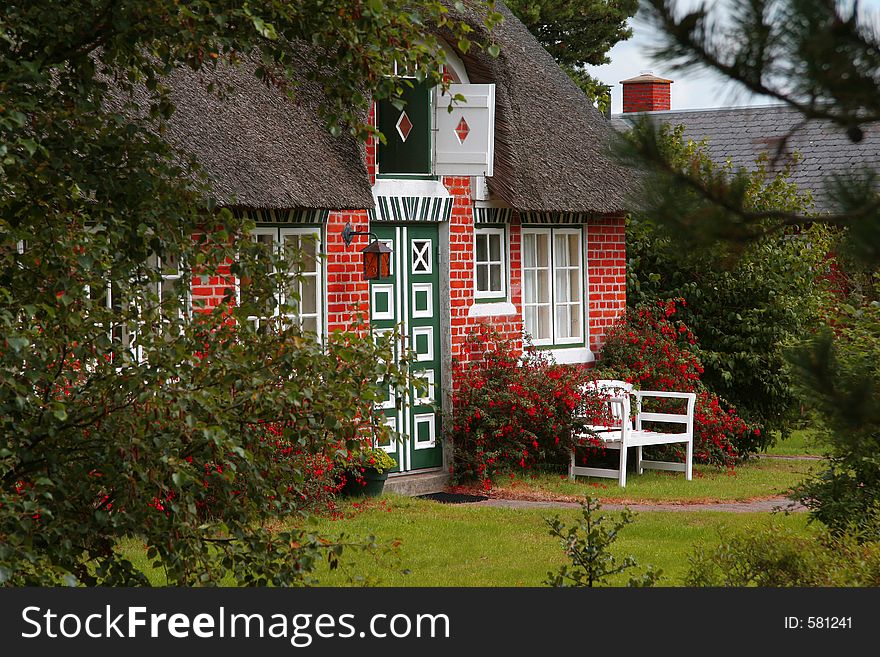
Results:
x,y
646,93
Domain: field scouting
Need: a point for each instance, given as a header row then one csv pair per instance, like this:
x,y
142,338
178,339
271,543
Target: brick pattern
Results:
x,y
606,276
646,97
347,290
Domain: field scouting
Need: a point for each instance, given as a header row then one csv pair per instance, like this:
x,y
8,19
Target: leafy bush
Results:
x,y
588,545
653,350
511,412
778,557
746,302
839,376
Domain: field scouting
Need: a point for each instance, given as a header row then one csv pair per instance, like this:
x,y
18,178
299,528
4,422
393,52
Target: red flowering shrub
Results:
x,y
654,351
510,412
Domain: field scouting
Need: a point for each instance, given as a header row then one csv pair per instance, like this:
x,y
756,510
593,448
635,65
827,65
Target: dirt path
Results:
x,y
762,505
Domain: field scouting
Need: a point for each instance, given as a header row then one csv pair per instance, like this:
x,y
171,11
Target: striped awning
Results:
x,y
432,209
296,216
553,217
490,215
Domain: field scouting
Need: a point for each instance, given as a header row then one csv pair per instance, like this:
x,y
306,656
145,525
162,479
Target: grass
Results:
x,y
455,545
803,442
760,478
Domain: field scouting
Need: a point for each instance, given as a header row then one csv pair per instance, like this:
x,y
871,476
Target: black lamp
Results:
x,y
377,255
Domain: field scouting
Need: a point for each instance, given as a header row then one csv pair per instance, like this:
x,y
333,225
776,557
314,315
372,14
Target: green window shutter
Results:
x,y
407,131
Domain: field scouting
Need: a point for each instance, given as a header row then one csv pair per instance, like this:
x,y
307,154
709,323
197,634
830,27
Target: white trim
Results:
x,y
423,330
430,420
571,355
423,255
409,188
498,308
429,312
453,61
502,234
388,314
582,298
537,231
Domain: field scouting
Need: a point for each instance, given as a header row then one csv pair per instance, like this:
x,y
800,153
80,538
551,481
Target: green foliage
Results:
x,y
745,314
588,545
512,410
776,557
578,33
840,377
817,56
120,413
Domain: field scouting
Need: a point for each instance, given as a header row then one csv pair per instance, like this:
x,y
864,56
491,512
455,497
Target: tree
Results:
x,y
578,33
120,414
822,58
744,316
818,56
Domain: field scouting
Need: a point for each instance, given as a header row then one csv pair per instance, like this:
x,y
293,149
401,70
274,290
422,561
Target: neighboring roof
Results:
x,y
743,133
551,144
259,148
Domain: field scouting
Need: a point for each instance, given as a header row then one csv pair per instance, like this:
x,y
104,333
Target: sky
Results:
x,y
689,91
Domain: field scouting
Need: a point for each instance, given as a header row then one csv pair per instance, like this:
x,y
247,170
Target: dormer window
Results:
x,y
425,139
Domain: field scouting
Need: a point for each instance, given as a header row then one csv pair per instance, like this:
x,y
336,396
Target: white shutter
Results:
x,y
465,137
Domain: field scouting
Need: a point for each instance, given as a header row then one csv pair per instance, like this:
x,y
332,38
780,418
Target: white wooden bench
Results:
x,y
622,432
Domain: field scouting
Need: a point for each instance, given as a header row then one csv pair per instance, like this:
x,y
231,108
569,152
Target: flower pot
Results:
x,y
372,485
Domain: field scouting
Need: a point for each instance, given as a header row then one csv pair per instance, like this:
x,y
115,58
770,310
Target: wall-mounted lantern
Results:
x,y
377,255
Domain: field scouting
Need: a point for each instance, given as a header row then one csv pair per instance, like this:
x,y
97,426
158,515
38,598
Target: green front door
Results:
x,y
410,300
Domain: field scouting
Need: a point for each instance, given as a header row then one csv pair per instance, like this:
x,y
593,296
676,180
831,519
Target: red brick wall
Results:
x,y
606,276
347,291
646,97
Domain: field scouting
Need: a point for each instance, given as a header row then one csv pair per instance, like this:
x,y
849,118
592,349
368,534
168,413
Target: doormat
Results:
x,y
452,498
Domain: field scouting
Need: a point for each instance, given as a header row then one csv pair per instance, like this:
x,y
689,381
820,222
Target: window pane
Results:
x,y
529,250
544,327
481,248
561,250
170,265
495,248
544,286
530,321
574,251
563,326
530,286
576,322
543,250
562,292
310,324
495,277
482,278
574,283
309,295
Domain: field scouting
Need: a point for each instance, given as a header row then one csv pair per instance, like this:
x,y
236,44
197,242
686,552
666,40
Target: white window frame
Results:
x,y
278,233
494,295
551,233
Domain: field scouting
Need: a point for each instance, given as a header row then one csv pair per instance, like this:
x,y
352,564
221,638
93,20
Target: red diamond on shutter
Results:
x,y
462,130
404,126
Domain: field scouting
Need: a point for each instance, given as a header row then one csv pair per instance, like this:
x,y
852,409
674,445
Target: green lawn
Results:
x,y
459,545
803,442
752,479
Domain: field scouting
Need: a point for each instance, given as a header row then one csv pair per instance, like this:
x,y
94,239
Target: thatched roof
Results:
x,y
260,149
551,148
